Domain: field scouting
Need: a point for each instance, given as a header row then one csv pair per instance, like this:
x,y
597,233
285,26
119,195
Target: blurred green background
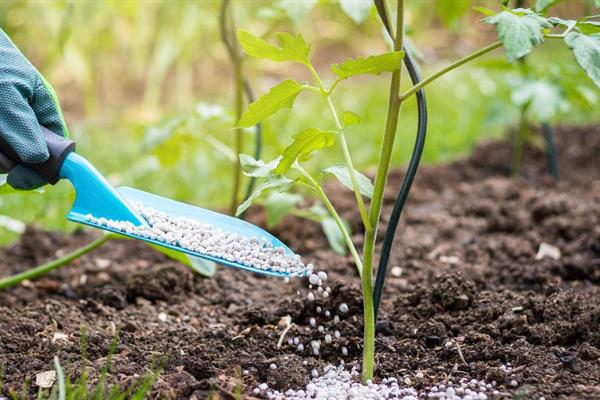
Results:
x,y
147,87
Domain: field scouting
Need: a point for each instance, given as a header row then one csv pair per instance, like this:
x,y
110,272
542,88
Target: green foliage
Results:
x,y
278,182
340,171
334,235
542,5
588,27
387,62
452,12
586,50
257,168
60,379
4,186
519,30
297,11
332,232
290,48
349,118
182,137
198,265
83,389
357,10
542,99
485,10
280,96
304,145
278,205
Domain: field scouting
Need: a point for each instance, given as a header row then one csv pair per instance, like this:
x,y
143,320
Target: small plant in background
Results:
x,y
519,32
55,385
541,94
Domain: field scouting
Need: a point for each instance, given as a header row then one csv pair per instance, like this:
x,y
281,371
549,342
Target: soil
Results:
x,y
465,294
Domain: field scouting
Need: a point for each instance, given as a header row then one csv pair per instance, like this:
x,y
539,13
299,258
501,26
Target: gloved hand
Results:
x,y
26,102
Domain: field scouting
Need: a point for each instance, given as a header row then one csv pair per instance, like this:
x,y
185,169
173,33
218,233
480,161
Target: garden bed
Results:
x,y
465,297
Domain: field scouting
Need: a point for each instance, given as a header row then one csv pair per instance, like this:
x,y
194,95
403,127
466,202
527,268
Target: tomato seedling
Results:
x,y
519,32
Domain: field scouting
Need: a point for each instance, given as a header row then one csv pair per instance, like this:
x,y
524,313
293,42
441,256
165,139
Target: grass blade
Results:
x,y
60,380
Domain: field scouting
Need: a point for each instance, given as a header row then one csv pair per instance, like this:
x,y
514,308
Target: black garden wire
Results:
x,y
551,151
227,36
390,233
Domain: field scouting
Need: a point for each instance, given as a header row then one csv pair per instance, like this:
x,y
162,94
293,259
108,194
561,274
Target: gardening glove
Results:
x,y
26,102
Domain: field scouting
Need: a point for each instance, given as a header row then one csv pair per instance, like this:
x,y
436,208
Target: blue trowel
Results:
x,y
95,196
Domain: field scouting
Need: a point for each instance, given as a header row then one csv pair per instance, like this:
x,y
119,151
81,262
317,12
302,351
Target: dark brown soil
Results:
x,y
464,280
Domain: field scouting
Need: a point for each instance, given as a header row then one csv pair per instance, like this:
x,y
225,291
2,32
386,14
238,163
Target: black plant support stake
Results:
x,y
551,151
411,171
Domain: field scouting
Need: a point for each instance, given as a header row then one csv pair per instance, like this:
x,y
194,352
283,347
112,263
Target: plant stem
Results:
x,y
345,149
385,155
230,42
520,139
335,216
52,265
349,165
239,136
449,68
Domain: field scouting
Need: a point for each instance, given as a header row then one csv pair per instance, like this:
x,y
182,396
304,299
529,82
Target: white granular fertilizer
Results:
x,y
209,240
338,384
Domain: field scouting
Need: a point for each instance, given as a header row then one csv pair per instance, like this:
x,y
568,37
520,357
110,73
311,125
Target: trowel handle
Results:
x,y
58,147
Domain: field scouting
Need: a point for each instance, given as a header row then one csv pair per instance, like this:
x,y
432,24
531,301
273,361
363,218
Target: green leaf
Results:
x,y
561,22
304,144
4,186
257,168
356,9
543,5
519,30
278,205
485,10
334,235
597,3
271,182
371,65
350,118
589,27
544,99
290,48
199,265
340,171
586,50
332,232
279,97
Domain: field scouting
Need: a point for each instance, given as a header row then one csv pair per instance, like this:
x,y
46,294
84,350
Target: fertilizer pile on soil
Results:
x,y
465,294
337,383
206,239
